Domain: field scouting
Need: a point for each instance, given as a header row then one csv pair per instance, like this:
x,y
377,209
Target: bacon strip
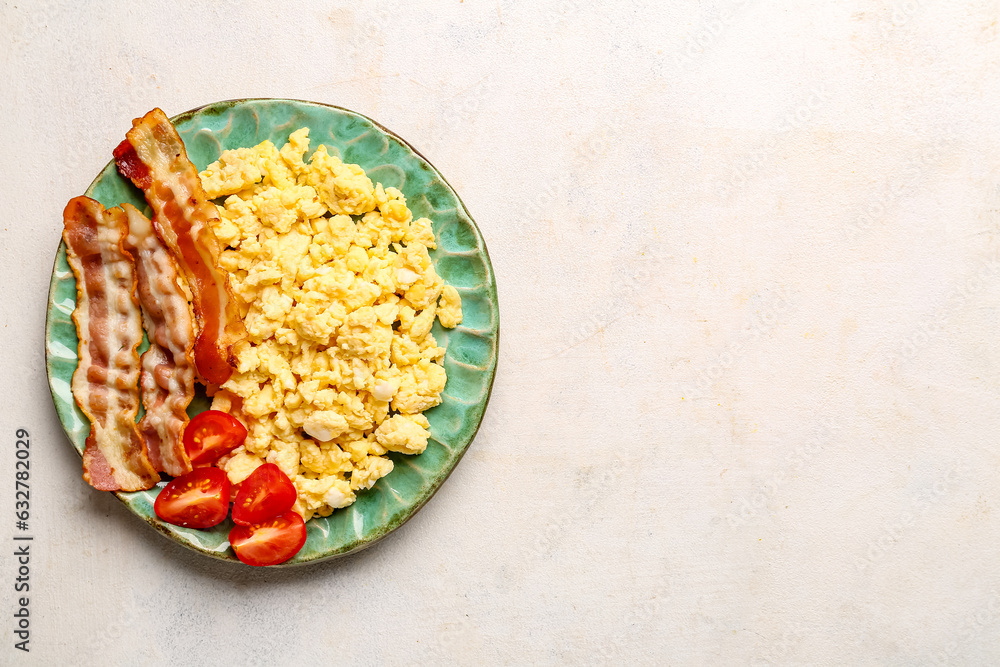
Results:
x,y
167,380
153,157
109,328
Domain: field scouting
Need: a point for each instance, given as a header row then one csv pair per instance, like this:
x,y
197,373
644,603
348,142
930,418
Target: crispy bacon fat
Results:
x,y
153,157
109,328
167,380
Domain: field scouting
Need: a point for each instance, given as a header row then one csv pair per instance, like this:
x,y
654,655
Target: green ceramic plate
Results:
x,y
461,259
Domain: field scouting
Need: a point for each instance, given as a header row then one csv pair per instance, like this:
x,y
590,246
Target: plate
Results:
x,y
461,259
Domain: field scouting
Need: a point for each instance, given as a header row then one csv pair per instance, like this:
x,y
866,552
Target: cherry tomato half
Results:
x,y
198,499
265,494
212,434
271,542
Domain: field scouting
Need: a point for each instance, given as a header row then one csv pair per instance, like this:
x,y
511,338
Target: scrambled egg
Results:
x,y
338,294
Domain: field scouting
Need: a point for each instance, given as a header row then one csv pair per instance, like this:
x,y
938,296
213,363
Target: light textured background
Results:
x,y
747,257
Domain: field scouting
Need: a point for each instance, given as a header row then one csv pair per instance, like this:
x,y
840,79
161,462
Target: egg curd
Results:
x,y
338,295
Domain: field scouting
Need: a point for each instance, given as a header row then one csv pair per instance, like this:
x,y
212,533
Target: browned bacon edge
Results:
x,y
167,379
154,158
109,328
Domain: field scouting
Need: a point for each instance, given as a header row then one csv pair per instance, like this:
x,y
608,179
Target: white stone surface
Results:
x,y
747,403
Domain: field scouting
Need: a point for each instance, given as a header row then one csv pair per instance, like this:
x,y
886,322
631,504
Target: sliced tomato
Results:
x,y
265,494
212,434
198,499
270,542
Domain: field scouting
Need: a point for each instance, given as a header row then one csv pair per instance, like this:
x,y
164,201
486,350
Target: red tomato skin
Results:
x,y
212,434
271,542
265,494
178,502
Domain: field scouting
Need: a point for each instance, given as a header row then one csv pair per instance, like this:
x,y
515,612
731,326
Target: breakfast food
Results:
x,y
109,327
299,292
167,379
265,494
153,157
198,499
332,276
212,434
267,532
270,542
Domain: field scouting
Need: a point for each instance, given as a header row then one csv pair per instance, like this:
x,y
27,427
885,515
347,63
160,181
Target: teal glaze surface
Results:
x,y
461,259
